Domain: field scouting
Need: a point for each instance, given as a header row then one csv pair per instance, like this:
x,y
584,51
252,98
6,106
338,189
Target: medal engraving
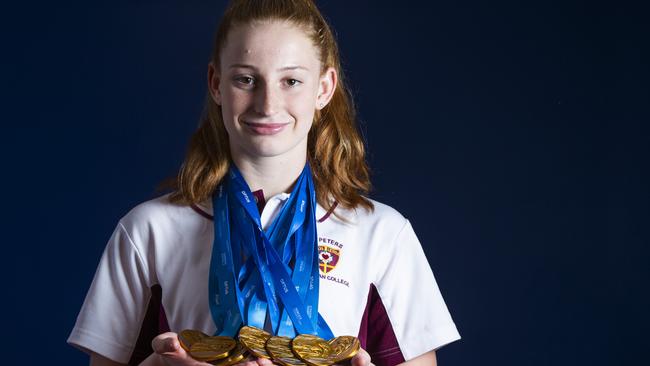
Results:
x,y
188,337
316,351
280,350
212,348
254,339
236,356
312,349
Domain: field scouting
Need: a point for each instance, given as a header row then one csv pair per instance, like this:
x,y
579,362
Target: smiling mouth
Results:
x,y
264,128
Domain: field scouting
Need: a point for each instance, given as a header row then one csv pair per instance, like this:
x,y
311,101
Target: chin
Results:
x,y
269,149
266,149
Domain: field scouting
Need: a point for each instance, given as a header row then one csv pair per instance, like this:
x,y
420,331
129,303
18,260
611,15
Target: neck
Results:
x,y
273,175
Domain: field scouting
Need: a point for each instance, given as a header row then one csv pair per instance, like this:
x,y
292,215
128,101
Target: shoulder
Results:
x,y
383,211
159,219
381,216
372,231
157,211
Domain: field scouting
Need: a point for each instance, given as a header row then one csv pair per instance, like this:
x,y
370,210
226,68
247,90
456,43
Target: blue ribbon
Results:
x,y
283,287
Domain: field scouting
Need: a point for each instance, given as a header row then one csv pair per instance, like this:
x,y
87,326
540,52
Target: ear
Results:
x,y
326,87
213,82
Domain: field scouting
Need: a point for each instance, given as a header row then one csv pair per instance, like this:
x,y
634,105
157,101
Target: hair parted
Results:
x,y
336,151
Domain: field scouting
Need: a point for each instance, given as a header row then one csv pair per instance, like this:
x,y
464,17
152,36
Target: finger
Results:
x,y
247,362
362,358
264,362
166,343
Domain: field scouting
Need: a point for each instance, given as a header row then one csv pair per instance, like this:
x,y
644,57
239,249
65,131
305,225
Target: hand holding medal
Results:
x,y
303,350
194,348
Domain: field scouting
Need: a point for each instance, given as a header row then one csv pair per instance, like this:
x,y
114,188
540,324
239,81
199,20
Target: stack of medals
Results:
x,y
303,350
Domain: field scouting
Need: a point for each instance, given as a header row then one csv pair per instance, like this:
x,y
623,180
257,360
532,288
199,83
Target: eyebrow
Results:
x,y
244,66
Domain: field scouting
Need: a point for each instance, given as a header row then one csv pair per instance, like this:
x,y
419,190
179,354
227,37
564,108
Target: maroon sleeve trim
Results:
x,y
376,333
154,323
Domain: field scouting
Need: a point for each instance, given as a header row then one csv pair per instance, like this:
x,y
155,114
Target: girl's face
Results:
x,y
269,85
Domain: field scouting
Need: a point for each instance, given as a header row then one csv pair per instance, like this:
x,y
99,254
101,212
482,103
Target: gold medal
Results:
x,y
316,351
313,350
280,350
188,337
254,340
236,356
344,348
212,348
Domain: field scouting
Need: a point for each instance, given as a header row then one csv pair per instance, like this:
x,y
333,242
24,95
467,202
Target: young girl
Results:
x,y
271,193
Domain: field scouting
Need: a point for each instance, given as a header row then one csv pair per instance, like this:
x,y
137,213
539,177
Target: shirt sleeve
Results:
x,y
413,302
111,315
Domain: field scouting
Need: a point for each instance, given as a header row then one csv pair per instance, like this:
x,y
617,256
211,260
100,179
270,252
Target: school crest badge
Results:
x,y
327,258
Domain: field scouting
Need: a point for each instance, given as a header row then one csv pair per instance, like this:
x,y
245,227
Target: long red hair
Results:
x,y
336,152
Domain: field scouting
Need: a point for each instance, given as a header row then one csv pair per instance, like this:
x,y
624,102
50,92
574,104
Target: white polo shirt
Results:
x,y
374,280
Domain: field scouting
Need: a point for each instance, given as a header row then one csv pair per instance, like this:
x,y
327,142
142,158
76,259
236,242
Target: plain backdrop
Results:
x,y
513,135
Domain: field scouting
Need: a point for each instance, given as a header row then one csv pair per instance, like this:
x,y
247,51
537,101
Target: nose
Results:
x,y
267,100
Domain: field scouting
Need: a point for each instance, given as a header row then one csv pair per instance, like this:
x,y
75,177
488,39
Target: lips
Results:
x,y
264,128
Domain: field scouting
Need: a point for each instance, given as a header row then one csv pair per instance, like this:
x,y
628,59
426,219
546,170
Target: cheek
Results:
x,y
304,106
305,115
233,103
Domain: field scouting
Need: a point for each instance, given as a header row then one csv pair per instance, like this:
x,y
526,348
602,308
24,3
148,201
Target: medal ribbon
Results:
x,y
265,281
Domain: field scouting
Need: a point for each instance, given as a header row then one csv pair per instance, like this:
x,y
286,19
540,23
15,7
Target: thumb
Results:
x,y
165,343
362,358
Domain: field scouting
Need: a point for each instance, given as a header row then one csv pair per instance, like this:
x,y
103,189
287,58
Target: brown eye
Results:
x,y
246,80
292,82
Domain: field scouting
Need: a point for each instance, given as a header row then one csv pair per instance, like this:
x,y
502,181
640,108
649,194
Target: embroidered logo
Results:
x,y
327,258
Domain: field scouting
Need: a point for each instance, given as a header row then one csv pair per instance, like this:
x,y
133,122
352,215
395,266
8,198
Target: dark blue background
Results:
x,y
513,135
